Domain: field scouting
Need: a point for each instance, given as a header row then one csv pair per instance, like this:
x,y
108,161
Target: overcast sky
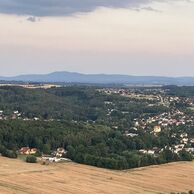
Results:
x,y
136,37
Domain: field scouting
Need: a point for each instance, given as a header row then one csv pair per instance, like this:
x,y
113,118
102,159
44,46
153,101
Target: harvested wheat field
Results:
x,y
17,177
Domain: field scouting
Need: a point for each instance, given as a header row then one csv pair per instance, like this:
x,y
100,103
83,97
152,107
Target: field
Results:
x,y
17,177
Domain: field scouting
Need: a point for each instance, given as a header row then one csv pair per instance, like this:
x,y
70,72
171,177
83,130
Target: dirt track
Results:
x,y
17,177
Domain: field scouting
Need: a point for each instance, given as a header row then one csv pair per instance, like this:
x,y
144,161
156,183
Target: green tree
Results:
x,y
31,159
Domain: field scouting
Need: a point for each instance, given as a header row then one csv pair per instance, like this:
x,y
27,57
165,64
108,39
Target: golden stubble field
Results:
x,y
17,177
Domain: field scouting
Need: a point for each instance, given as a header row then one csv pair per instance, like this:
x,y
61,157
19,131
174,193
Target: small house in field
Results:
x,y
28,151
60,152
33,151
25,150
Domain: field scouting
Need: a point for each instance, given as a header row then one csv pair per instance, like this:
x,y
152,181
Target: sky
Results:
x,y
134,37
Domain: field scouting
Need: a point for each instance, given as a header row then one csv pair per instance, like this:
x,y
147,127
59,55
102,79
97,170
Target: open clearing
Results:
x,y
17,177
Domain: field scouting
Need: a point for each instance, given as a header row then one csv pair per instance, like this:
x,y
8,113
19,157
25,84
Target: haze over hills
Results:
x,y
71,77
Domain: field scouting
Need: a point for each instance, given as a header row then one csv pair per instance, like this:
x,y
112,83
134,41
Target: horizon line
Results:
x,y
108,74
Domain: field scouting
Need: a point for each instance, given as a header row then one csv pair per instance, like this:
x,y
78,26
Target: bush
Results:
x,y
11,154
190,192
7,153
38,154
31,159
185,156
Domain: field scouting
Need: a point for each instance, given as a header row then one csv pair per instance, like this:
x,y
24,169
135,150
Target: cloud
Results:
x,y
61,7
150,9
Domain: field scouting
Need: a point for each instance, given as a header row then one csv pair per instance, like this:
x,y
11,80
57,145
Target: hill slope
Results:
x,y
21,178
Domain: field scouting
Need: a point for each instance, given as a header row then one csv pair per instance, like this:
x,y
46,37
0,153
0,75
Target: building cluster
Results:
x,y
166,119
175,149
155,124
56,156
134,93
157,96
16,115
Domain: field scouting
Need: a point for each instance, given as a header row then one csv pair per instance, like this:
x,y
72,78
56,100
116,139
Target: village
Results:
x,y
155,96
59,155
174,120
165,121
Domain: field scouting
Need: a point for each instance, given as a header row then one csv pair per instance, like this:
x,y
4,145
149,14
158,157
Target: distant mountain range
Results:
x,y
69,77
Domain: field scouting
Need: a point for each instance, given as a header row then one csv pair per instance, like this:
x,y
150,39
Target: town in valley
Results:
x,y
162,114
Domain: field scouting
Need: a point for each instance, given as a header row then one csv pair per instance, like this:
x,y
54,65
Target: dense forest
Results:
x,y
86,143
77,119
73,103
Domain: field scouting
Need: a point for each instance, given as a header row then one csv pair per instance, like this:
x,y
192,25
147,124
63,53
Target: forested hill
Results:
x,y
79,103
69,77
96,126
70,103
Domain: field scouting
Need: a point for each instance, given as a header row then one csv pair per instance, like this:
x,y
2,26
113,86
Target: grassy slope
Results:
x,y
19,177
